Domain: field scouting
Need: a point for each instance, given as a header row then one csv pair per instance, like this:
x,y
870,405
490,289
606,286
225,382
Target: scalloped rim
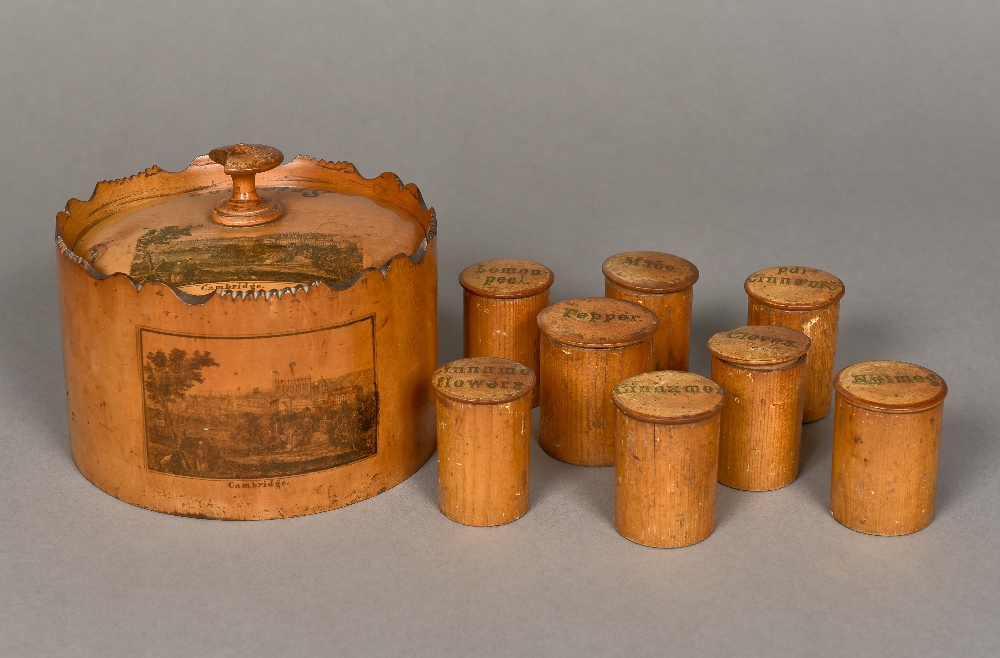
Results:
x,y
430,233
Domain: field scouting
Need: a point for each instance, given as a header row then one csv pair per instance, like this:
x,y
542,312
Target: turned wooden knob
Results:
x,y
243,162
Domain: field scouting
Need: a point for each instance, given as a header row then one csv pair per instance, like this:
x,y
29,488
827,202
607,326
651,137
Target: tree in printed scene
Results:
x,y
168,377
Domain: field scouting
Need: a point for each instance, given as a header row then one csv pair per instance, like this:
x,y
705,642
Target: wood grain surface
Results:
x,y
807,300
500,317
762,370
666,457
253,400
484,436
663,283
886,440
577,423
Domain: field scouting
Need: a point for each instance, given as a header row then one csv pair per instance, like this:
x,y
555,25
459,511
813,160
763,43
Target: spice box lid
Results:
x,y
246,227
763,345
483,380
598,322
893,386
794,288
506,278
650,271
669,397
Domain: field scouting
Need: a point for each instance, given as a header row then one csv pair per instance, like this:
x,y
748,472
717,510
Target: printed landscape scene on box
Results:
x,y
241,408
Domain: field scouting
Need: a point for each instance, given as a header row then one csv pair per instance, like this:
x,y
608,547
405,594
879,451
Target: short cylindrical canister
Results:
x,y
886,435
502,302
665,285
484,434
666,457
588,345
807,300
762,370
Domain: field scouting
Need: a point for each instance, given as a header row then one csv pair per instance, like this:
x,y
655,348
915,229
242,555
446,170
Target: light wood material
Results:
x,y
253,372
243,162
886,437
502,300
806,300
666,457
484,436
588,346
762,370
665,285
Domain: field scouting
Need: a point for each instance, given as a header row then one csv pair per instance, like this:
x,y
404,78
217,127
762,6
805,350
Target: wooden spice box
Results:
x,y
249,341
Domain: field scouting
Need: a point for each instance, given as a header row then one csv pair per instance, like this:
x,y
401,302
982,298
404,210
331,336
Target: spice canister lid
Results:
x,y
650,271
250,226
669,397
763,345
506,278
598,322
794,288
891,386
483,380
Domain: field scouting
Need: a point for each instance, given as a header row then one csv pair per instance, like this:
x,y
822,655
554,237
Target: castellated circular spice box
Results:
x,y
236,352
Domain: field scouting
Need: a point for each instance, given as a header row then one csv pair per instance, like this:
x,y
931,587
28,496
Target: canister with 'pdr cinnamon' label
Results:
x,y
807,300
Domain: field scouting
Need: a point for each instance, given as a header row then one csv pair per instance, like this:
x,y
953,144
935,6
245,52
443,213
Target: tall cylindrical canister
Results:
x,y
807,300
666,457
484,435
665,285
502,302
886,435
588,345
762,370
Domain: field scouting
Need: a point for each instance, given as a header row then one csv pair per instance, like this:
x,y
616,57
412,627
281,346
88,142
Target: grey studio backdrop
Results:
x,y
861,137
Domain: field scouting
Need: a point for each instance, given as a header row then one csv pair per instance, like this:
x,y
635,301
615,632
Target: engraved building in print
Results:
x,y
239,408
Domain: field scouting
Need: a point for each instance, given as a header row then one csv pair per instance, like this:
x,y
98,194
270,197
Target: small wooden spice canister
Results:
x,y
484,432
886,434
588,345
665,285
502,302
807,300
762,370
666,458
